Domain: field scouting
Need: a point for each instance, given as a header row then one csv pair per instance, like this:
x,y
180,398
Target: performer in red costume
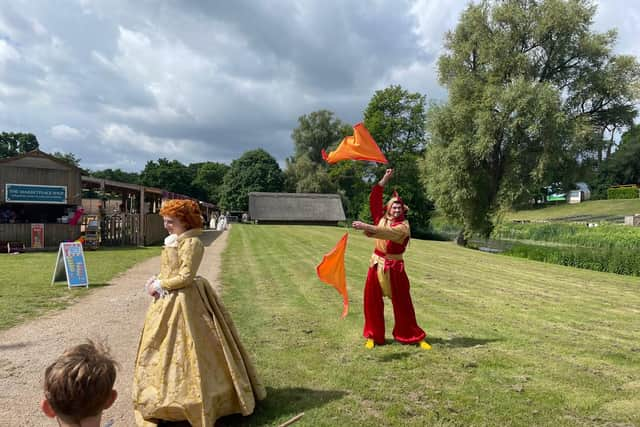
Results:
x,y
386,275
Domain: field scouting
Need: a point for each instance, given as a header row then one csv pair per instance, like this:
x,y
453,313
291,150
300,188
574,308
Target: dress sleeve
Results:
x,y
190,254
396,234
375,203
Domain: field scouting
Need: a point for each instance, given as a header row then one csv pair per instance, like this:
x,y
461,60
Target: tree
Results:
x,y
255,170
69,158
208,179
12,144
530,89
305,176
396,120
118,175
623,166
348,179
169,175
316,131
306,171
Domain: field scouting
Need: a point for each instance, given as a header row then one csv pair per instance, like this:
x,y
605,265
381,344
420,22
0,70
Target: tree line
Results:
x,y
536,99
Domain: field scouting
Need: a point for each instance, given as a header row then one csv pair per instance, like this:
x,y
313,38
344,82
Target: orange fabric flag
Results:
x,y
360,146
331,271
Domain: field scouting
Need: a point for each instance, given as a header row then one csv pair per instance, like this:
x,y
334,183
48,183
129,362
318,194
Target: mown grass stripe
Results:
x,y
510,337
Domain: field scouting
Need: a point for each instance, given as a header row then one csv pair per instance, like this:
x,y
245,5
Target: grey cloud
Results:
x,y
208,80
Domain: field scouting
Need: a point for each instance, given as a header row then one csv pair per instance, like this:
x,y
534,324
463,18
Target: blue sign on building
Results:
x,y
22,193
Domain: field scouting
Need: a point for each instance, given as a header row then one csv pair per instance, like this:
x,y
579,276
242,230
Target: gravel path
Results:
x,y
114,314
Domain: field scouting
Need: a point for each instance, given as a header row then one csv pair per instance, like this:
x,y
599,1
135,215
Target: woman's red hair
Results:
x,y
186,211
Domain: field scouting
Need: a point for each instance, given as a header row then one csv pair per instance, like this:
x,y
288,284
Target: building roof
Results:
x,y
295,207
39,159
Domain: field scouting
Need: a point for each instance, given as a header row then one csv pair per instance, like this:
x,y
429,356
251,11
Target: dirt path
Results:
x,y
113,314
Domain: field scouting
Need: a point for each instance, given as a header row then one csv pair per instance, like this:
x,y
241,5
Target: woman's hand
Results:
x,y
150,288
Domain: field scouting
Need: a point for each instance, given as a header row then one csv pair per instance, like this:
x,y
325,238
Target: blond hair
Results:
x,y
79,383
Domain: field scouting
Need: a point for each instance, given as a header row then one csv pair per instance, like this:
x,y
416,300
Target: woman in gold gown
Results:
x,y
191,364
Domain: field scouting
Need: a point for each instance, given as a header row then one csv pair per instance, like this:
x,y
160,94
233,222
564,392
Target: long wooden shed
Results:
x,y
295,208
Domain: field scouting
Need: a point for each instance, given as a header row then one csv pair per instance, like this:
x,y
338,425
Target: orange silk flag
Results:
x,y
360,146
331,271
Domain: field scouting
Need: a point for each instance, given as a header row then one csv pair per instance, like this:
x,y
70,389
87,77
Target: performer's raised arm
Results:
x,y
376,204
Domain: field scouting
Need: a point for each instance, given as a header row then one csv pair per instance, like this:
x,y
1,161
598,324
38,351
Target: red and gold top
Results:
x,y
392,237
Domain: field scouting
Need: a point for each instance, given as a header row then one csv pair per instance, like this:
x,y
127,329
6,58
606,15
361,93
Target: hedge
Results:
x,y
623,193
614,260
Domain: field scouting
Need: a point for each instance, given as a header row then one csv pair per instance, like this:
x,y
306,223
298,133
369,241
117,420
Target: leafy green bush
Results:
x,y
606,236
623,193
612,260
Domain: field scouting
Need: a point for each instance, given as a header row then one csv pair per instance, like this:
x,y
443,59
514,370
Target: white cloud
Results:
x,y
119,83
66,133
122,138
432,20
416,77
8,52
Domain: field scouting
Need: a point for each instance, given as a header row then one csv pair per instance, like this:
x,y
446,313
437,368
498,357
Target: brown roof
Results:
x,y
295,207
37,154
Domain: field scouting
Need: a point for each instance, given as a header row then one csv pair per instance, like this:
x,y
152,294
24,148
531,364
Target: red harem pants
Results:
x,y
405,329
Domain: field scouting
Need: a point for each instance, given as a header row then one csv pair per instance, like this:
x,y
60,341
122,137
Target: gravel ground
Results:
x,y
113,314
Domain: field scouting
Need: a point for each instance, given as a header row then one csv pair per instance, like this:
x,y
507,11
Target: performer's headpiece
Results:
x,y
395,198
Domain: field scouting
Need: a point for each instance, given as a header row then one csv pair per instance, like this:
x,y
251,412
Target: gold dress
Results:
x,y
191,364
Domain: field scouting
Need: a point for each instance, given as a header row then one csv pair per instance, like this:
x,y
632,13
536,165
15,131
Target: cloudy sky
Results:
x,y
119,82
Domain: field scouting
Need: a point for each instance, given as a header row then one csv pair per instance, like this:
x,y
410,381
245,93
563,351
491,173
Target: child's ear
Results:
x,y
112,398
47,409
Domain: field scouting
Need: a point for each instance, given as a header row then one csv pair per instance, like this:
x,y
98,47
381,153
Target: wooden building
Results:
x,y
37,188
295,208
131,218
41,197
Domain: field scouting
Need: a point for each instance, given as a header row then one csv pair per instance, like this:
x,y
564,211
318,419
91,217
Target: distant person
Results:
x,y
222,223
212,222
387,276
78,386
191,365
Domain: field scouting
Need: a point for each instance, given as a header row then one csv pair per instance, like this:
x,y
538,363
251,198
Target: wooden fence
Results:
x,y
53,233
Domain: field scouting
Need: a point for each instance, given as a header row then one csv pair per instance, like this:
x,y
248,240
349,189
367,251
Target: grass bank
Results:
x,y
515,342
606,236
591,210
25,280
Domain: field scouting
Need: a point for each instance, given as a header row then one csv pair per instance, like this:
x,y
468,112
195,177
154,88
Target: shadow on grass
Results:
x,y
459,342
397,356
98,285
91,285
282,403
117,248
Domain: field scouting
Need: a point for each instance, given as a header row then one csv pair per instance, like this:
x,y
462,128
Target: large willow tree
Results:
x,y
531,89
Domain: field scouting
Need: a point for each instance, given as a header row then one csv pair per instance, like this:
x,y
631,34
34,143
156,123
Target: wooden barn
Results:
x,y
39,194
295,208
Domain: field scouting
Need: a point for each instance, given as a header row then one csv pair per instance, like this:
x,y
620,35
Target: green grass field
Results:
x,y
25,280
515,342
591,210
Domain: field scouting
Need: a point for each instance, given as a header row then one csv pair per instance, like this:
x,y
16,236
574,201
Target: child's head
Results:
x,y
79,384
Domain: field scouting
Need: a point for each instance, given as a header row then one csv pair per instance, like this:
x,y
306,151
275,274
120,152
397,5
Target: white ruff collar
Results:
x,y
171,241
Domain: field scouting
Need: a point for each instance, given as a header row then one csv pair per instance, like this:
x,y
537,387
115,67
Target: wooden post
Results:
x,y
141,215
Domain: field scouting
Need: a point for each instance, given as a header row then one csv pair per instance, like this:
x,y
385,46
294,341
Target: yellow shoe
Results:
x,y
369,344
425,345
